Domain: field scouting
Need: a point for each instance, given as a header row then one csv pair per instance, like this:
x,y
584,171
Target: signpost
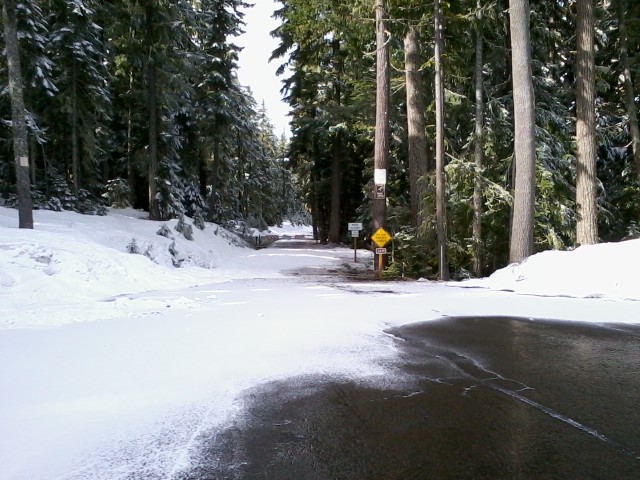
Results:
x,y
381,237
355,229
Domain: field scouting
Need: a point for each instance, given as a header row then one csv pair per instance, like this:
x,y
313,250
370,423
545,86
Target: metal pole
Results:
x,y
355,250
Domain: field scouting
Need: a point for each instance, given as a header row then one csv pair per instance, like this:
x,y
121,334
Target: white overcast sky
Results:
x,y
255,70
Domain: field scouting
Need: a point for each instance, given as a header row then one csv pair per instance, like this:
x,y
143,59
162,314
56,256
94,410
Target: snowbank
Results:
x,y
607,270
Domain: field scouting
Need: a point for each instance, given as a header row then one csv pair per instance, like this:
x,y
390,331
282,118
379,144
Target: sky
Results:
x,y
116,365
255,69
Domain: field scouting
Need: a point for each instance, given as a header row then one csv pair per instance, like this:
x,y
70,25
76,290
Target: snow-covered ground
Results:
x,y
114,365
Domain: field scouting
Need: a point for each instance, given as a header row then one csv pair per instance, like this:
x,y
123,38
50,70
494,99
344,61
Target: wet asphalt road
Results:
x,y
490,398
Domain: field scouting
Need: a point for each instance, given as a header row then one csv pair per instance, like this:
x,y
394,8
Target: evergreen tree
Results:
x,y
78,52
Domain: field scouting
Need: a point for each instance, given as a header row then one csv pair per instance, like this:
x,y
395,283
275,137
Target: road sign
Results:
x,y
355,233
381,251
381,237
380,176
355,226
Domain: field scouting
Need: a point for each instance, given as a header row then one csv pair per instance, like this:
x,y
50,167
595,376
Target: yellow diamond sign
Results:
x,y
381,237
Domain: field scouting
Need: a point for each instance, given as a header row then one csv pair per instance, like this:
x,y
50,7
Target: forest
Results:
x,y
503,128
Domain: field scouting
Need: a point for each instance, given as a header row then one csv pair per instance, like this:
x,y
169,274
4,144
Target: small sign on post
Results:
x,y
380,238
355,228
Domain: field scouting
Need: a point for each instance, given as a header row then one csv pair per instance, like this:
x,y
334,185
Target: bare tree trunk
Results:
x,y
382,134
587,225
418,159
131,169
522,224
629,94
152,98
478,251
441,201
18,116
335,217
74,131
314,210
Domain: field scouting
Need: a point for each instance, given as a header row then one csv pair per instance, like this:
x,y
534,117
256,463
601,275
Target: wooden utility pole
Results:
x,y
381,151
18,116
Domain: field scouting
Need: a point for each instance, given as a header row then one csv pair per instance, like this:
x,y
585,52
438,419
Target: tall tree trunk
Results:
x,y
478,252
152,99
587,225
18,116
629,93
74,130
441,201
522,224
418,159
335,218
321,210
132,172
314,209
318,195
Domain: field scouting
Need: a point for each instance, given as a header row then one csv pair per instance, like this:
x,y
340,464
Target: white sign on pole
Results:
x,y
355,227
380,176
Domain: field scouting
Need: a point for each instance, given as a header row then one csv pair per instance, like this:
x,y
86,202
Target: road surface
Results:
x,y
483,398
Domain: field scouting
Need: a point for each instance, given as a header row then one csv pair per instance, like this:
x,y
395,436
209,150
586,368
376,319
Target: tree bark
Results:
x,y
587,225
335,220
441,201
18,116
629,93
335,215
418,159
382,133
152,99
74,131
478,251
522,225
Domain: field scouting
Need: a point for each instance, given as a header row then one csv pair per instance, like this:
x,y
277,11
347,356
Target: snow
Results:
x,y
116,365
